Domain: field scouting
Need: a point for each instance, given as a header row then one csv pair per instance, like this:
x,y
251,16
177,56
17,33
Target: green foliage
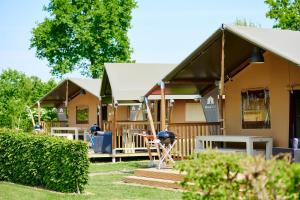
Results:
x,y
17,92
215,175
54,163
244,22
285,13
83,35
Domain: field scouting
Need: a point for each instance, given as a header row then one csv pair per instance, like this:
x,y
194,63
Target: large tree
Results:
x,y
84,34
286,13
17,92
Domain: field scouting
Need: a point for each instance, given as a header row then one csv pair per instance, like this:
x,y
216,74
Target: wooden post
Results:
x,y
31,116
150,117
99,115
221,86
114,129
152,129
162,106
67,98
39,112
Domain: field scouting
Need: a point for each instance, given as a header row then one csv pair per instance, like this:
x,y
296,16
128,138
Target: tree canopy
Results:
x,y
17,92
83,35
245,22
286,13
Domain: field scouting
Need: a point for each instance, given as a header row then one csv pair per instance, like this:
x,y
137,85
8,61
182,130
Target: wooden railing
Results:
x,y
107,125
186,135
128,139
48,125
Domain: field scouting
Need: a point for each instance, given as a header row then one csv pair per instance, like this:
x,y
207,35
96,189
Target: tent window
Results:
x,y
194,113
82,114
256,109
137,113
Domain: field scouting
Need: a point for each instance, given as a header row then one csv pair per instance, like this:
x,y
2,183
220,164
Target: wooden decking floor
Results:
x,y
163,178
119,155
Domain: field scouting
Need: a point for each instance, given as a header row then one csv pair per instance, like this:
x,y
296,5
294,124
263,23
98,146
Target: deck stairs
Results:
x,y
164,178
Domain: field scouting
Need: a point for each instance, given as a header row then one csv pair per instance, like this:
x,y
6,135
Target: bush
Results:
x,y
37,160
216,175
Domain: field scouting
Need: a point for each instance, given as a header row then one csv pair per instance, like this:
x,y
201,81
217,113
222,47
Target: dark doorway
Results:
x,y
294,116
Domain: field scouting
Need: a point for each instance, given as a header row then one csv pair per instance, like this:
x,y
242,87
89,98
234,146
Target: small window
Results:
x,y
256,109
82,114
137,113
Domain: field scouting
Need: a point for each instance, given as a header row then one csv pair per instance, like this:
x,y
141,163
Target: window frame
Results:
x,y
256,124
82,121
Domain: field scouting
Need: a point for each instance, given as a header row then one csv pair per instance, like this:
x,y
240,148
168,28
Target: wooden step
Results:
x,y
165,174
152,182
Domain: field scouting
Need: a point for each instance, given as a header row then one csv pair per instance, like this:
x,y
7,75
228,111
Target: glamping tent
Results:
x,y
123,85
258,76
77,101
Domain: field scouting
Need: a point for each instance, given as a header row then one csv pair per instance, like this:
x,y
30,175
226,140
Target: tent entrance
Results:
x,y
294,116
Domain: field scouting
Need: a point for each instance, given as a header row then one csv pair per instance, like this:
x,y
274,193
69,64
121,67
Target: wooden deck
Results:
x,y
119,155
163,178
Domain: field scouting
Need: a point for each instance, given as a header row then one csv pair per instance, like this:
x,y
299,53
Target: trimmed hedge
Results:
x,y
216,175
38,160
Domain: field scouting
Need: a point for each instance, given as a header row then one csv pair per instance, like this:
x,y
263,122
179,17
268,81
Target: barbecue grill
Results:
x,y
166,137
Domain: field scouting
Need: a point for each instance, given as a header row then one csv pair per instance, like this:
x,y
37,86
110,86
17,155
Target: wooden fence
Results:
x,y
186,135
129,140
128,136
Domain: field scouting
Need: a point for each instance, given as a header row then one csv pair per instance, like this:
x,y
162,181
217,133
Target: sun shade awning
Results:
x,y
58,94
200,71
130,81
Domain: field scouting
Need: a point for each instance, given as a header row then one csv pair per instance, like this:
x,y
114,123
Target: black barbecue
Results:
x,y
94,129
166,137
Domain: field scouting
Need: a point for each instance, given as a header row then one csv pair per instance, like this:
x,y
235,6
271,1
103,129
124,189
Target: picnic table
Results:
x,y
249,140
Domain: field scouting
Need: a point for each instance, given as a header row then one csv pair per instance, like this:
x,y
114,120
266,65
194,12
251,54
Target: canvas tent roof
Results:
x,y
58,94
202,67
130,81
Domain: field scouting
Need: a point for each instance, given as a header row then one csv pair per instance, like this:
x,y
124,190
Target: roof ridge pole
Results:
x,y
221,85
163,106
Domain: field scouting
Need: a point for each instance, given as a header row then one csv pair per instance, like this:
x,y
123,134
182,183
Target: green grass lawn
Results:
x,y
104,184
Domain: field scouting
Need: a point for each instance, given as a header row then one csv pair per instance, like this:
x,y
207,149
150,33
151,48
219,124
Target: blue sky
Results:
x,y
163,31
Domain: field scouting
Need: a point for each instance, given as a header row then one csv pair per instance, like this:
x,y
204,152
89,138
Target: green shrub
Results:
x,y
37,160
216,175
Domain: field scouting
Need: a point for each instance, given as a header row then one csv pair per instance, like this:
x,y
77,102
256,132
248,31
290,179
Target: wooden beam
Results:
x,y
163,106
114,128
67,97
150,117
222,82
39,112
190,81
99,115
31,116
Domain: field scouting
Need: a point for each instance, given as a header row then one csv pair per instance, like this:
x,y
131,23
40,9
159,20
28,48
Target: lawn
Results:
x,y
104,183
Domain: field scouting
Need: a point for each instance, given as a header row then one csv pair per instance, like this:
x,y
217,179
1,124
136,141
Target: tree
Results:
x,y
83,35
286,13
17,92
244,22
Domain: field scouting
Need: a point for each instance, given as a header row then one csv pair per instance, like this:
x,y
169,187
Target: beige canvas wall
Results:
x,y
86,100
275,74
178,112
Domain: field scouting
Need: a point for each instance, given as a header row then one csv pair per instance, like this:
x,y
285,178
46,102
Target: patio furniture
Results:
x,y
102,142
67,132
203,141
293,152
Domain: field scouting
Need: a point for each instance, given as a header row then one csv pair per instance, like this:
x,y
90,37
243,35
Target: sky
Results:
x,y
163,31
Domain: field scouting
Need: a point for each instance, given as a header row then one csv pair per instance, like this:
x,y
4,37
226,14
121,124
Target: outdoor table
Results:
x,y
249,140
